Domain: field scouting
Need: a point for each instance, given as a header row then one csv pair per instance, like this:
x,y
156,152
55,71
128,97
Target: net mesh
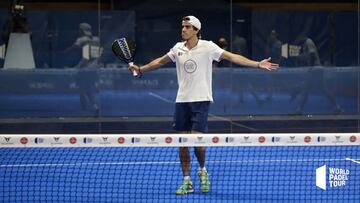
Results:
x,y
141,168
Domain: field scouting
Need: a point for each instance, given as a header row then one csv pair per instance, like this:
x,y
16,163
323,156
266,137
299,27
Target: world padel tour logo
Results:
x,y
39,140
183,139
135,140
275,139
321,139
229,139
87,140
332,177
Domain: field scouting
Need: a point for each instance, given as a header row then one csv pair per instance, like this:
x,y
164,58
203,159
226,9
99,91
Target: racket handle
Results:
x,y
134,72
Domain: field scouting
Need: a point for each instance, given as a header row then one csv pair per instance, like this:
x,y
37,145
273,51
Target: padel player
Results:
x,y
193,58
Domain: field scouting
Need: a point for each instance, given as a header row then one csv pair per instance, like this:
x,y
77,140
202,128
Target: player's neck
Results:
x,y
192,42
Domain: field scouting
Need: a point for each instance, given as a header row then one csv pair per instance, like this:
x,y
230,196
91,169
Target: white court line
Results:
x,y
161,98
86,164
171,162
232,122
353,160
212,115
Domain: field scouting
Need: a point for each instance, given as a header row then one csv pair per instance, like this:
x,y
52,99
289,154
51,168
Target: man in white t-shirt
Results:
x,y
193,58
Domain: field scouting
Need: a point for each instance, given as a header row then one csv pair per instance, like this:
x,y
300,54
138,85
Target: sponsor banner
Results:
x,y
178,140
39,140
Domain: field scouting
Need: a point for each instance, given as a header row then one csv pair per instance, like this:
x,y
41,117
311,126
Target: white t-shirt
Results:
x,y
194,70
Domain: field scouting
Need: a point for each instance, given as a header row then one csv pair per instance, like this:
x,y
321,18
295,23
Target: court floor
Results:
x,y
238,174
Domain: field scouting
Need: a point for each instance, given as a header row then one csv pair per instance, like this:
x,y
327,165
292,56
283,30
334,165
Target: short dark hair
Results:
x,y
186,18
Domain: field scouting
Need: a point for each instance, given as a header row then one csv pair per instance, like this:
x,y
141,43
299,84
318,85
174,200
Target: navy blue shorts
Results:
x,y
191,116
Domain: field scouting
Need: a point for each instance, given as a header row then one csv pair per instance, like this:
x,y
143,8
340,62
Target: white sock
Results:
x,y
202,169
186,177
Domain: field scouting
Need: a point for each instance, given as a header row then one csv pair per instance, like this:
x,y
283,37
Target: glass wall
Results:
x,y
58,66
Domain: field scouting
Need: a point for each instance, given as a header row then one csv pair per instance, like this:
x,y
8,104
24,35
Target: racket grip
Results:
x,y
134,72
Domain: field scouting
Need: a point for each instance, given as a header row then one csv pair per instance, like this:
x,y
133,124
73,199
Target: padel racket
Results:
x,y
124,49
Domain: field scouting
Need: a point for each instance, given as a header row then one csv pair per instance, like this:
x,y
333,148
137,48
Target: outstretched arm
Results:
x,y
150,66
241,60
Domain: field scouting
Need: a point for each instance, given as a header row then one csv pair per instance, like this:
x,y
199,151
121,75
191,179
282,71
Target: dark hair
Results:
x,y
186,18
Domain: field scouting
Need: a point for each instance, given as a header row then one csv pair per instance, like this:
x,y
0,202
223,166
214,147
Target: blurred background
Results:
x,y
59,75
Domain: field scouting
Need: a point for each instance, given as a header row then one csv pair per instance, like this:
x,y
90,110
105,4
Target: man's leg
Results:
x,y
200,125
200,153
184,155
187,185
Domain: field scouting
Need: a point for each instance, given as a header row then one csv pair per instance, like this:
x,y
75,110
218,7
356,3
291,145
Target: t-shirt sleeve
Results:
x,y
216,51
172,54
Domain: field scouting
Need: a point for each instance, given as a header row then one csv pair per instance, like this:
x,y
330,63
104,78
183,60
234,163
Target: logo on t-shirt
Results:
x,y
190,66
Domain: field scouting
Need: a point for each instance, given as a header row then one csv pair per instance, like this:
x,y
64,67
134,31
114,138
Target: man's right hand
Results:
x,y
134,68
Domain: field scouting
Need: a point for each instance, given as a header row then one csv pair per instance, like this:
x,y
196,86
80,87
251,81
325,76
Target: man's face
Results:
x,y
187,31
